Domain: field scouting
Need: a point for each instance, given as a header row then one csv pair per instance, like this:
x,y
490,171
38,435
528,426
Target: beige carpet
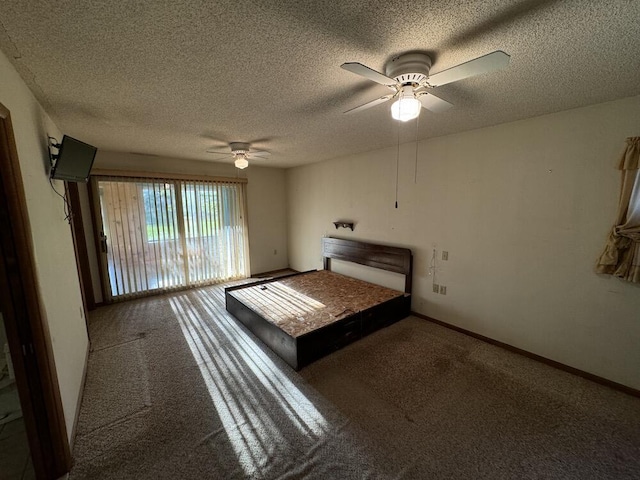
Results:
x,y
177,389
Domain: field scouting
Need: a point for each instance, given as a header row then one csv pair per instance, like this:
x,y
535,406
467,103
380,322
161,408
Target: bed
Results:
x,y
305,316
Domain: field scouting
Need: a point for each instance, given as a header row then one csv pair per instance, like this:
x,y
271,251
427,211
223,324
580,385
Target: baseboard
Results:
x,y
561,366
80,398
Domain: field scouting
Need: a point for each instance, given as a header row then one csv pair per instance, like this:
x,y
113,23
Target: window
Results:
x,y
167,234
156,202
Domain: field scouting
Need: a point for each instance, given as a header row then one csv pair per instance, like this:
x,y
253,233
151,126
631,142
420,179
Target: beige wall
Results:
x,y
53,246
522,208
266,199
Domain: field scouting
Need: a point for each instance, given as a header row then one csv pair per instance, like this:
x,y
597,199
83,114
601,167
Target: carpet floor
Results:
x,y
177,389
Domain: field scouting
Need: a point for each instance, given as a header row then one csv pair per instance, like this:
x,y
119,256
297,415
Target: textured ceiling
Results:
x,y
176,77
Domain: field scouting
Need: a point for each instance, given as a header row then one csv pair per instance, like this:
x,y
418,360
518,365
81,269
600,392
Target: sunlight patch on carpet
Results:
x,y
245,386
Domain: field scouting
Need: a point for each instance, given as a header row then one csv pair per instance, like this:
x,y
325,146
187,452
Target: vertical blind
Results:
x,y
168,234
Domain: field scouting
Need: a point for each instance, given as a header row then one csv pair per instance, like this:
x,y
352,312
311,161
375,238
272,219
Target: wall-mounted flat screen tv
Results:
x,y
74,162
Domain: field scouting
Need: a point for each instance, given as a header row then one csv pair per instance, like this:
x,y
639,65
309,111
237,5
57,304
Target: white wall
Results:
x,y
266,199
53,246
523,209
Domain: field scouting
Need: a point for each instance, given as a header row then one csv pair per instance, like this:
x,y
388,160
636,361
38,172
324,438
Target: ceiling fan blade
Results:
x,y
368,73
487,63
219,152
259,153
433,103
370,104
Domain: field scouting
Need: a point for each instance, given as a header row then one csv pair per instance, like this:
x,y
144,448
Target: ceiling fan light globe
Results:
x,y
406,109
241,163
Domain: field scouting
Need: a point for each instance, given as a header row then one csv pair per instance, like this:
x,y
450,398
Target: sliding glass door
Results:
x,y
160,234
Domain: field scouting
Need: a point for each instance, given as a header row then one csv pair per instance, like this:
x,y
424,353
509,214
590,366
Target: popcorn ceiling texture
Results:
x,y
174,78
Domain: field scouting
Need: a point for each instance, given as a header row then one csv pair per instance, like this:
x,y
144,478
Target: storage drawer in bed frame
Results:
x,y
318,343
301,351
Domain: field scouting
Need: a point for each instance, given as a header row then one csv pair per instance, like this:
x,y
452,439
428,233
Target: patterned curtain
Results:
x,y
621,256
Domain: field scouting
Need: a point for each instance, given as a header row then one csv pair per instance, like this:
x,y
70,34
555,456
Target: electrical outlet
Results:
x,y
436,288
445,255
443,290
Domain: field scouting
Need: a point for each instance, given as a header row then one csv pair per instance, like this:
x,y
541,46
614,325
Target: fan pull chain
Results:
x,y
415,172
397,164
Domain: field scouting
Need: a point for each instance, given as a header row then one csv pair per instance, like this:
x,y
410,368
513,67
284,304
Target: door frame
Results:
x,y
100,239
26,324
80,247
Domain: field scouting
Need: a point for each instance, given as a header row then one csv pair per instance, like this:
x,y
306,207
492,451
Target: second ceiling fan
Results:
x,y
241,153
409,79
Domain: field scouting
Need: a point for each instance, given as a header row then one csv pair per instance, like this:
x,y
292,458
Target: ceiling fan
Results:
x,y
241,154
407,76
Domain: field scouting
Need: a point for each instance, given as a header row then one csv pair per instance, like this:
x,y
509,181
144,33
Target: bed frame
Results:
x,y
301,351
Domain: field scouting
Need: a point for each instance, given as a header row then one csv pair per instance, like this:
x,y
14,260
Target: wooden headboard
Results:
x,y
393,259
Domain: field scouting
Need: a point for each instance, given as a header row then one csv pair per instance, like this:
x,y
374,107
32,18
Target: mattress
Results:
x,y
303,303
